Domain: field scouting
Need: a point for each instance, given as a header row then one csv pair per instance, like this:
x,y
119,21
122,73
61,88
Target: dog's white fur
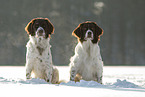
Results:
x,y
40,65
87,62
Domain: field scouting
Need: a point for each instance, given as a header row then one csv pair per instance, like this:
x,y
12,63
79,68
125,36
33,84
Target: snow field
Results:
x,y
117,82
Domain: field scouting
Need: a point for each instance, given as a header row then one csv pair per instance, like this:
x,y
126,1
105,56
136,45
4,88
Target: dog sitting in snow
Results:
x,y
87,63
38,56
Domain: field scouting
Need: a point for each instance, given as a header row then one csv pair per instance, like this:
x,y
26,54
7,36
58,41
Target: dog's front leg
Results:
x,y
99,79
48,75
73,73
99,75
28,71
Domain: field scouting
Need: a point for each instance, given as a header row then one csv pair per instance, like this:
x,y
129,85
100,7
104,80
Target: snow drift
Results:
x,y
117,82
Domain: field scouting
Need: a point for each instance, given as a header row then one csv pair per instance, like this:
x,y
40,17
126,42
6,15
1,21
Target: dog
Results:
x,y
38,56
87,63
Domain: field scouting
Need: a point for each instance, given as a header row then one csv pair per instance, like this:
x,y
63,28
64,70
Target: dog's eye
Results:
x,y
93,28
36,26
84,29
44,26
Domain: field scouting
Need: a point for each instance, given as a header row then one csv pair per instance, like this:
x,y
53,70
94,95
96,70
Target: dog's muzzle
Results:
x,y
40,32
89,35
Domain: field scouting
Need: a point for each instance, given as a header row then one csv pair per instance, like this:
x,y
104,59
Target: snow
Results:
x,y
117,82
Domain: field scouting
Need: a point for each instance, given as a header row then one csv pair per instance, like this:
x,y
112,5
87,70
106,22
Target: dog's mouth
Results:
x,y
40,33
89,35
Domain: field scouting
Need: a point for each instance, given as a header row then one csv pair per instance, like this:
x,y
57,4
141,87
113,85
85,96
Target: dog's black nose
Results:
x,y
40,31
89,33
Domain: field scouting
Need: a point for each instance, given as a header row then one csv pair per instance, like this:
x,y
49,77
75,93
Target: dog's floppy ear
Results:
x,y
29,28
50,27
99,31
77,32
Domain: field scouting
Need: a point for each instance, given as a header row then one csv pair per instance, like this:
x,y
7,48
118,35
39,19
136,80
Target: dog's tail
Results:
x,y
62,81
55,77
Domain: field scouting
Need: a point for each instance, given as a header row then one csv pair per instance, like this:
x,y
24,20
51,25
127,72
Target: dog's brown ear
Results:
x,y
77,32
29,28
50,27
99,31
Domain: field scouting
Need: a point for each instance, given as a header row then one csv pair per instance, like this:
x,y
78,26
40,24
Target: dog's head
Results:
x,y
88,31
40,27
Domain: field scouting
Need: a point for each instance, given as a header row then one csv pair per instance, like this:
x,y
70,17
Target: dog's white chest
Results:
x,y
39,56
88,60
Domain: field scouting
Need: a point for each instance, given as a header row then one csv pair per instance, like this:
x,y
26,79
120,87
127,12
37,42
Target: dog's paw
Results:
x,y
28,76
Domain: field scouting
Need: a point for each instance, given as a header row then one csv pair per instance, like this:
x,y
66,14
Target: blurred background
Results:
x,y
123,22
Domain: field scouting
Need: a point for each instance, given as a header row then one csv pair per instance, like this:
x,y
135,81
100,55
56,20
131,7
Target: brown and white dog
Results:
x,y
87,63
38,56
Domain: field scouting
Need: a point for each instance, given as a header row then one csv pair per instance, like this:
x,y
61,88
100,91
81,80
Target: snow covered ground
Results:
x,y
117,82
